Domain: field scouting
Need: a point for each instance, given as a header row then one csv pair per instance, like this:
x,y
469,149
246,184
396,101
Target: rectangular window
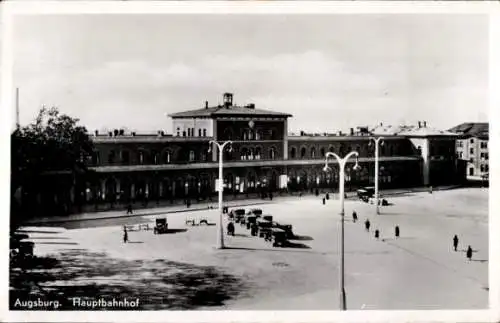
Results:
x,y
472,160
471,140
486,168
486,156
204,132
199,132
461,155
484,144
482,155
482,168
471,171
472,150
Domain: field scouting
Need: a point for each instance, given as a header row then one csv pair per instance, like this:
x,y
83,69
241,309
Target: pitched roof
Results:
x,y
472,129
227,111
426,132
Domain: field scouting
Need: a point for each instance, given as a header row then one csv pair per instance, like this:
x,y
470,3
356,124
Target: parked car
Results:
x,y
236,213
256,212
366,193
161,226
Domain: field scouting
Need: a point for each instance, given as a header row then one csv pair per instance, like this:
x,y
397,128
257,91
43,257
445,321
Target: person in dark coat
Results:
x,y
396,231
354,216
327,196
324,201
469,253
377,234
367,225
125,235
455,242
230,228
129,209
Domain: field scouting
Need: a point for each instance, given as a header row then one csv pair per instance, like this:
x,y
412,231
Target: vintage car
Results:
x,y
278,237
366,193
268,218
256,212
263,227
250,219
161,226
236,213
285,227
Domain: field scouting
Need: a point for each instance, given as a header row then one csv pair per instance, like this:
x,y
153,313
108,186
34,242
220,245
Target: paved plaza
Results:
x,y
419,270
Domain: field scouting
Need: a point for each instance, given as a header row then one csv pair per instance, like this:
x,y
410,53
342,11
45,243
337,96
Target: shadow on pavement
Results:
x,y
178,286
62,243
301,238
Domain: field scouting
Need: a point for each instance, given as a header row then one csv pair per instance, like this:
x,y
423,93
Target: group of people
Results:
x,y
468,252
368,225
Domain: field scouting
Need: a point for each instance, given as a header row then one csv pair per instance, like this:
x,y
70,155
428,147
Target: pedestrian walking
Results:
x,y
125,234
377,234
129,209
430,189
455,242
367,225
469,253
327,196
396,231
324,201
354,216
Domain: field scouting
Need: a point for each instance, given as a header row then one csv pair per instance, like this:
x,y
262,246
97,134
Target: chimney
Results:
x,y
206,104
352,131
419,124
228,99
381,124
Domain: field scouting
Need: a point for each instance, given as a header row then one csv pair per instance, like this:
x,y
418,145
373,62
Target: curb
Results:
x,y
41,223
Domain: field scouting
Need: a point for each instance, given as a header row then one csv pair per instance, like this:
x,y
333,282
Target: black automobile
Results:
x,y
255,212
366,193
236,213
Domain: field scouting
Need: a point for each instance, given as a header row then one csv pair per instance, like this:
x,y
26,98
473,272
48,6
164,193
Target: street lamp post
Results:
x,y
376,141
220,233
342,162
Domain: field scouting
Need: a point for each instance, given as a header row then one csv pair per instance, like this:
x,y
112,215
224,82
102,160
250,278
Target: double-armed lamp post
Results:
x,y
221,146
377,142
342,163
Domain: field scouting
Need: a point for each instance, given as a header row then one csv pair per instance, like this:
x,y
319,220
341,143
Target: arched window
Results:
x,y
191,155
184,133
313,152
243,153
257,153
140,157
155,157
293,153
199,132
303,152
166,157
250,154
322,151
272,153
125,157
111,157
204,132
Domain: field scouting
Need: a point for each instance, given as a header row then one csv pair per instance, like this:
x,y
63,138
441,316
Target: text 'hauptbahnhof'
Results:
x,y
264,157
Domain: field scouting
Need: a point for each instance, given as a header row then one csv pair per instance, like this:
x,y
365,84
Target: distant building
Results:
x,y
472,147
129,167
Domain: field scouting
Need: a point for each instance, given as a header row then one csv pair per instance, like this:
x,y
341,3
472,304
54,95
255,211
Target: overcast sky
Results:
x,y
330,71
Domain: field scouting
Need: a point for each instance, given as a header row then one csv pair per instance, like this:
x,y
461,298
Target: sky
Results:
x,y
331,72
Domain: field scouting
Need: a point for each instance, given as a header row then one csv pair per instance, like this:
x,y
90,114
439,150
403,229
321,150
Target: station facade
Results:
x,y
264,157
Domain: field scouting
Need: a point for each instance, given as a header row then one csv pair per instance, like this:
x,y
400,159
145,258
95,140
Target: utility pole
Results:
x,y
18,124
